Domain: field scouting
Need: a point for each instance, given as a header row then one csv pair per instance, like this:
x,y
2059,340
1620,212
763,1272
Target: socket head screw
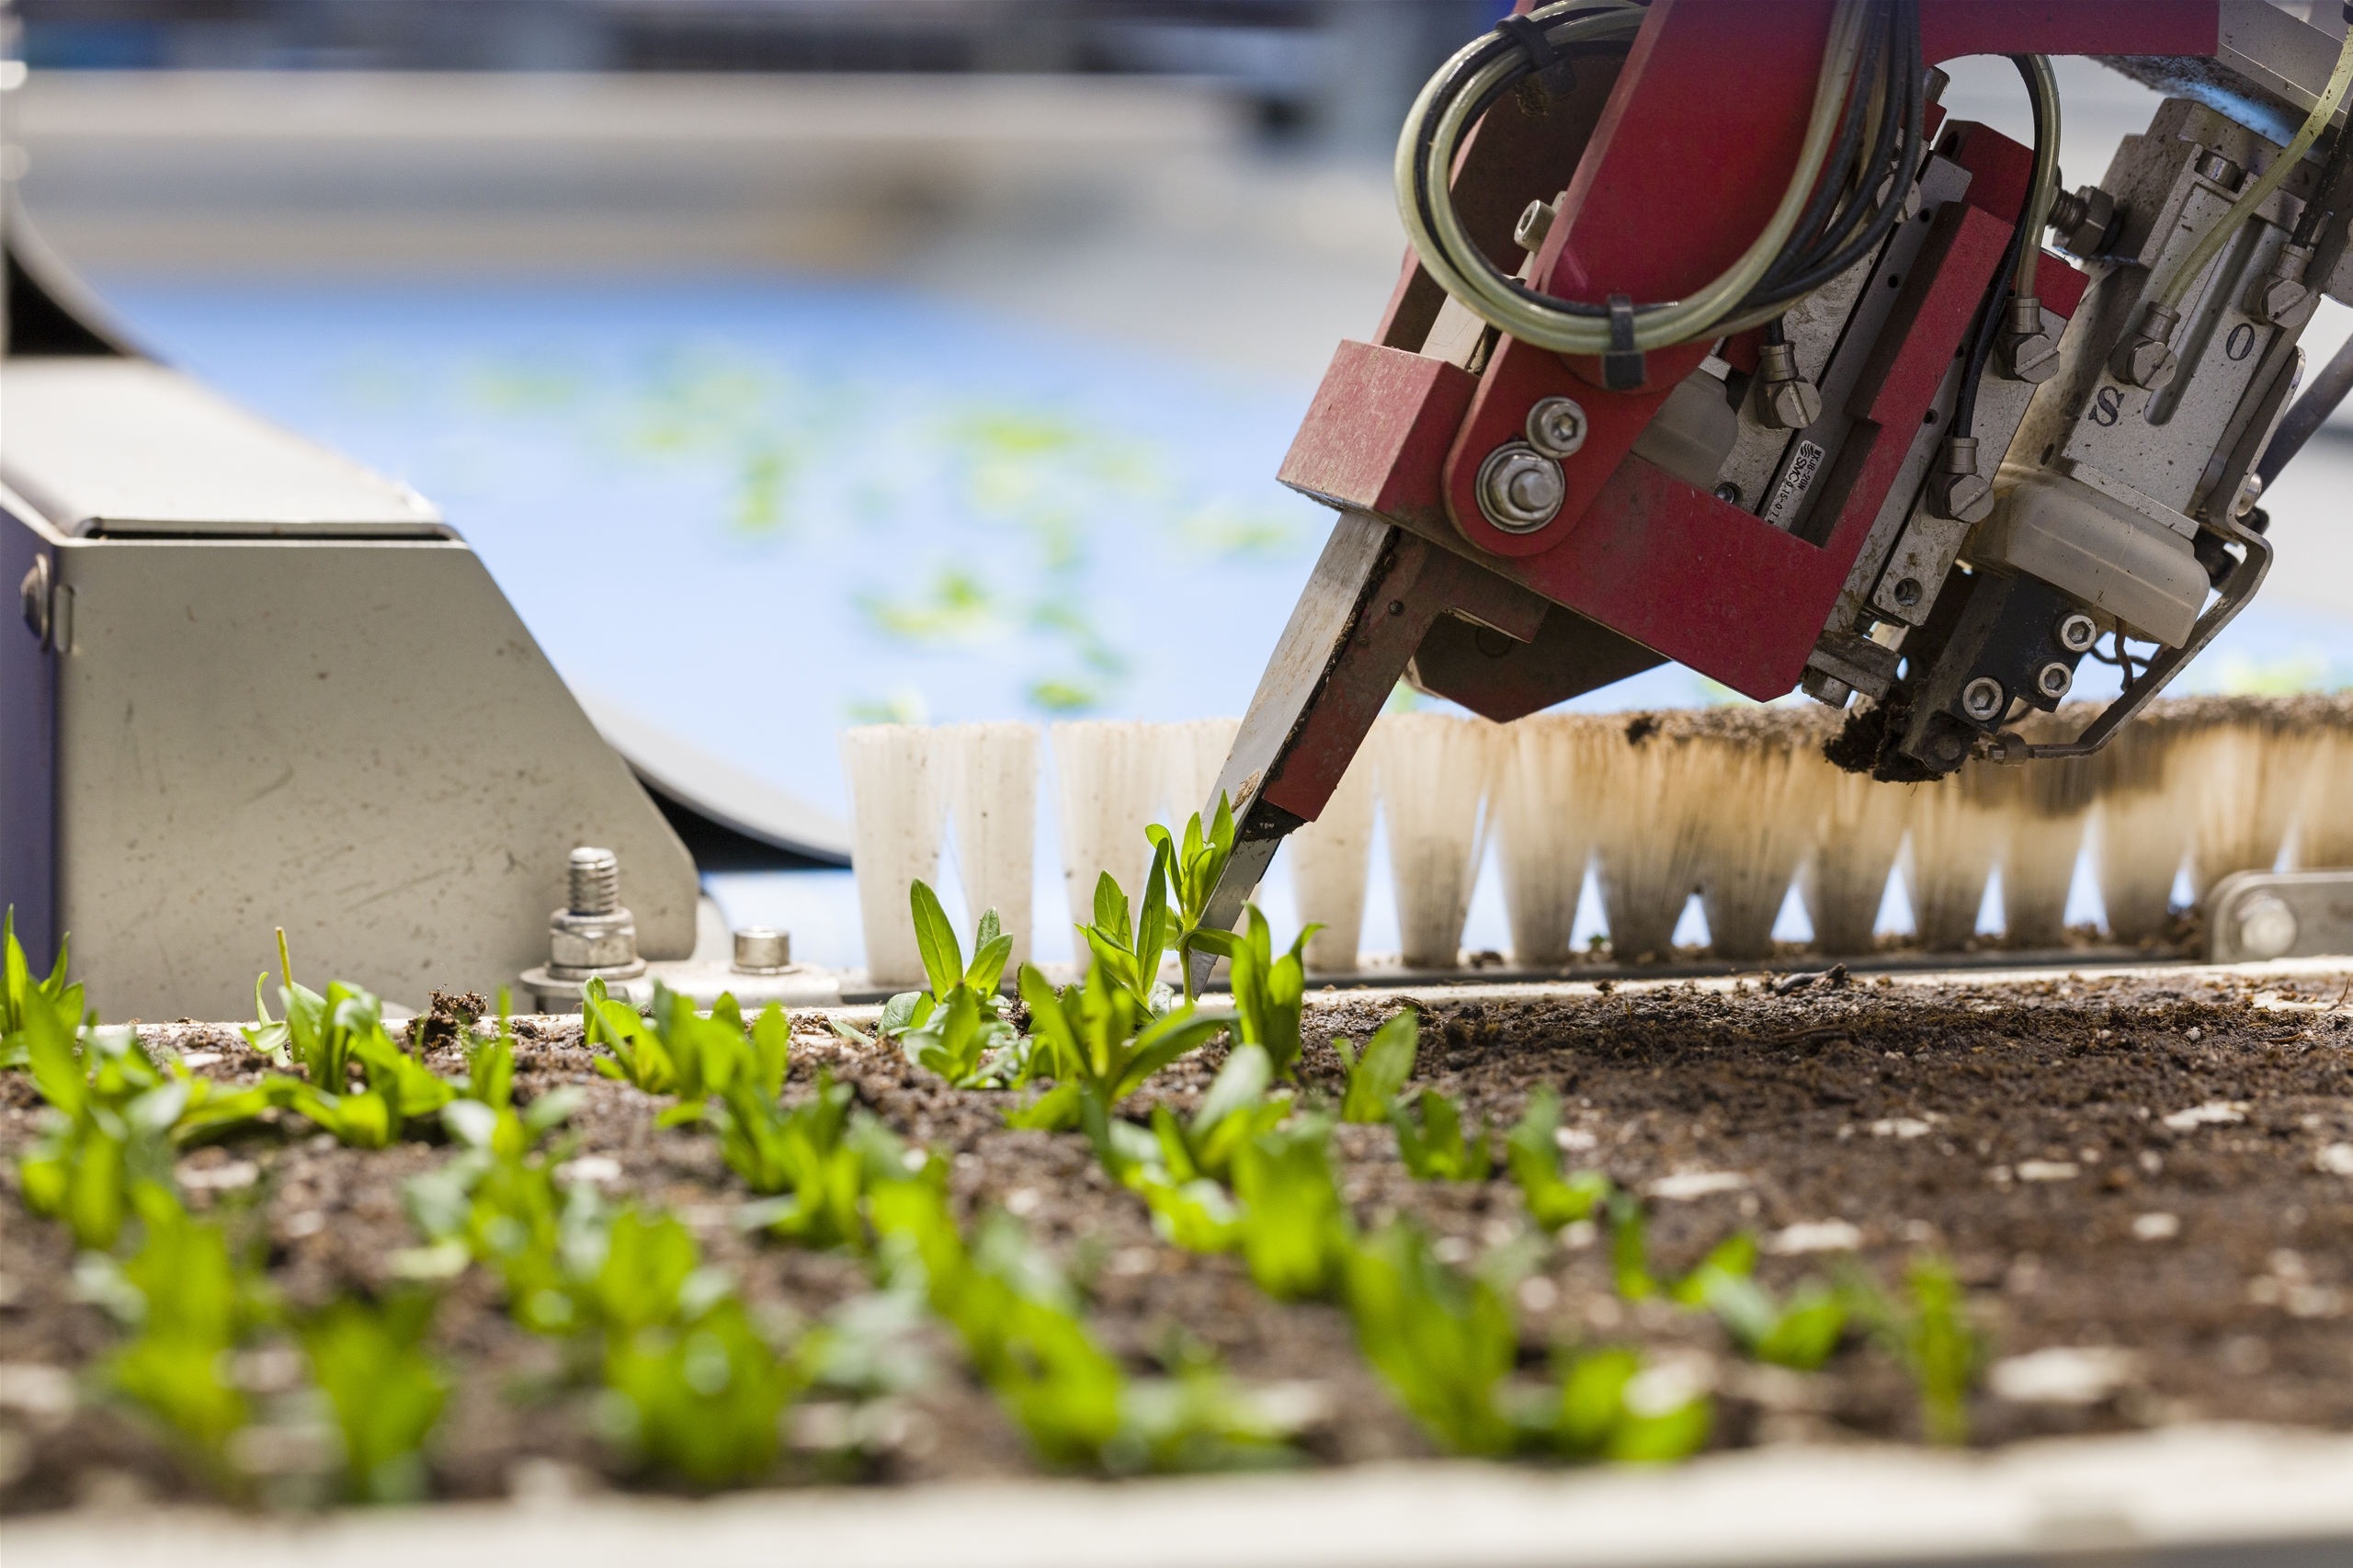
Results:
x,y
2053,680
2077,632
1556,426
762,949
2266,925
1533,226
2142,357
1519,488
1983,698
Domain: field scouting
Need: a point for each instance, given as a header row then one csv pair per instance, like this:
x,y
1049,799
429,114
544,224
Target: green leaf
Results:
x,y
943,960
1375,1078
1057,1111
1111,911
1241,1082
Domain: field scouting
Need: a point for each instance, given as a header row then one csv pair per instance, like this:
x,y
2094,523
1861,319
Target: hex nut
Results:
x,y
1519,489
1557,426
2054,679
600,942
2266,925
1983,698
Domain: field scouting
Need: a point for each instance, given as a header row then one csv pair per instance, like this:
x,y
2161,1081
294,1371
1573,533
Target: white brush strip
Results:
x,y
1758,826
1107,774
1329,867
896,818
1544,823
1432,778
1193,754
1844,880
2324,817
1645,834
993,800
1956,840
2140,826
2049,805
2248,767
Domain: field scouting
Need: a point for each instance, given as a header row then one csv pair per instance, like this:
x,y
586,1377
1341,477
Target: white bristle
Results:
x,y
1193,754
2324,817
896,817
1957,833
1109,774
1863,824
1646,833
2248,764
2140,826
1545,773
1749,766
1328,869
1432,778
993,793
2048,806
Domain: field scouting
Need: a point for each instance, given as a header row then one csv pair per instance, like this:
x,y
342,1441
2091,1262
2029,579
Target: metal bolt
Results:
x,y
1983,699
2279,297
2142,358
2028,352
2077,632
1787,401
1826,689
595,883
1729,493
763,950
1959,492
2054,679
2223,170
34,590
1533,226
2266,925
2249,494
1519,488
1907,591
1556,426
1947,749
2086,220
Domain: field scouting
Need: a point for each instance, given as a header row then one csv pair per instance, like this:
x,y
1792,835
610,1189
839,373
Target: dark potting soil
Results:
x,y
2020,1130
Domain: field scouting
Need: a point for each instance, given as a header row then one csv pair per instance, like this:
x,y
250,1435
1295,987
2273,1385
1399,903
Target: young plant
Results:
x,y
1100,1042
1269,991
1235,1110
192,1306
1800,1333
701,1397
1532,1151
954,1028
106,1138
1437,1149
1375,1077
1605,1411
1294,1230
679,1052
1443,1341
1934,1339
1130,954
368,1358
1194,866
821,1152
19,992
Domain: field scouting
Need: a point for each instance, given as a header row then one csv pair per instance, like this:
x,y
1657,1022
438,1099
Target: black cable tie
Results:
x,y
1624,368
1553,70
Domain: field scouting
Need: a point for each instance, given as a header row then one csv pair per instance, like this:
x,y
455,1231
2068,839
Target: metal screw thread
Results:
x,y
596,882
2068,210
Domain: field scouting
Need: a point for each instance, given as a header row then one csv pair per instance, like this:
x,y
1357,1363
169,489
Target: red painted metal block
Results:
x,y
1950,28
1377,432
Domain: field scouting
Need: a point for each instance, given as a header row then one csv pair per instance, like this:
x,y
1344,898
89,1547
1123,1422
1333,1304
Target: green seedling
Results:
x,y
498,1204
1603,1411
821,1152
1375,1077
1100,1042
1128,954
191,1305
1437,1149
1269,991
1800,1333
1532,1151
1443,1341
700,1398
1194,866
1294,1230
1933,1339
955,1028
19,992
677,1051
1236,1109
368,1358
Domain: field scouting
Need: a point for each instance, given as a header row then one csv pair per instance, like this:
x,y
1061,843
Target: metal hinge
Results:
x,y
48,607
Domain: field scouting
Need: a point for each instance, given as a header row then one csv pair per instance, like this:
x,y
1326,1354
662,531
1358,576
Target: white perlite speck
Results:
x,y
2217,1113
1685,1186
2083,1374
1815,1235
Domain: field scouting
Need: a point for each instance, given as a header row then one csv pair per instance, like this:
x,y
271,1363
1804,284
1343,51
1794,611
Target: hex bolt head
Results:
x,y
2053,680
1519,488
1983,698
1556,426
762,949
2077,632
2266,925
2085,220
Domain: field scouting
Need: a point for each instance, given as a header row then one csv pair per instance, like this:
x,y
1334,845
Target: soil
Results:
x,y
2020,1129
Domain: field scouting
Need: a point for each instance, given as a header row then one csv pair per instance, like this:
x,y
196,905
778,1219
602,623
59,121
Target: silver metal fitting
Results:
x,y
2267,926
2028,352
1983,698
2086,220
1959,492
762,949
1826,689
2077,632
594,936
2250,491
2008,749
1556,426
2279,297
1519,488
2142,358
1533,226
1786,400
2221,168
34,593
2053,680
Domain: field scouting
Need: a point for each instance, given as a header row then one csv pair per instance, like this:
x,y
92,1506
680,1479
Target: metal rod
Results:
x,y
2309,413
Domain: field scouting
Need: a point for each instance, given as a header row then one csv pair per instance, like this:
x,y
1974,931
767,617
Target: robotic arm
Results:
x,y
1719,343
